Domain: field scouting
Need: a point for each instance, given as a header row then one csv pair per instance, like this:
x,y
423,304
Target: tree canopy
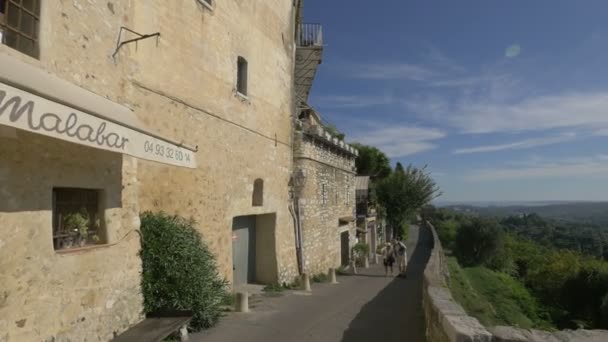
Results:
x,y
404,191
371,162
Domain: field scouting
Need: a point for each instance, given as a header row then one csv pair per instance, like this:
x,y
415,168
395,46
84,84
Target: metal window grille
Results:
x,y
71,201
19,25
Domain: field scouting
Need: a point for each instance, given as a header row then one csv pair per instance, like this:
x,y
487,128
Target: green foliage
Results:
x,y
333,130
447,232
77,222
403,192
274,288
495,298
179,271
342,270
372,162
361,249
319,278
572,286
477,241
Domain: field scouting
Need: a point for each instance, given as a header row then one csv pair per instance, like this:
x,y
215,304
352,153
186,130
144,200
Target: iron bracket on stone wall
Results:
x,y
120,43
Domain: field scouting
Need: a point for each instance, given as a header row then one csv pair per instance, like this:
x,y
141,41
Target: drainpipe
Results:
x,y
295,214
300,248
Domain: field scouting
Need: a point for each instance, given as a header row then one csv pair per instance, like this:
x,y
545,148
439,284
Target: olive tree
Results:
x,y
403,192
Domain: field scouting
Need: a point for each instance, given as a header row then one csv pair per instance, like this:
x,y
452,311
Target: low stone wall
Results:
x,y
446,320
511,334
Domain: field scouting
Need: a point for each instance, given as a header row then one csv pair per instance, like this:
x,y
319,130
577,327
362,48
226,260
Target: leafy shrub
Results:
x,y
179,271
361,249
447,232
477,242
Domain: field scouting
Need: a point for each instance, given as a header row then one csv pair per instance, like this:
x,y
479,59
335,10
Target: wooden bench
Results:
x,y
158,326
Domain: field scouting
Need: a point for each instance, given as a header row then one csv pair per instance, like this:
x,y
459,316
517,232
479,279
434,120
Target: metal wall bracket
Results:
x,y
120,43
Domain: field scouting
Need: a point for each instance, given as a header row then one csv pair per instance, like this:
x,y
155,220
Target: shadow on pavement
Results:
x,y
396,313
364,275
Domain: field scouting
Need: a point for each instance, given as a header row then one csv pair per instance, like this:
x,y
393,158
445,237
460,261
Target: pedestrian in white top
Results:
x,y
401,256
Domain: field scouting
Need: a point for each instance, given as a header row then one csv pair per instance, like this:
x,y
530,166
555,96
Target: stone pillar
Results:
x,y
332,276
374,244
353,267
242,302
306,282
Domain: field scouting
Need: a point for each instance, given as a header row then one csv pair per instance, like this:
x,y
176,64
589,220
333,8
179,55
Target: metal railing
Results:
x,y
310,35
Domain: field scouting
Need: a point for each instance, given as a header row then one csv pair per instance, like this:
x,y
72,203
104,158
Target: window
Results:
x,y
19,25
76,218
241,77
258,193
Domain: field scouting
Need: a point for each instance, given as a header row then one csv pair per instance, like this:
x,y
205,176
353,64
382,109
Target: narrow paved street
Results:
x,y
363,307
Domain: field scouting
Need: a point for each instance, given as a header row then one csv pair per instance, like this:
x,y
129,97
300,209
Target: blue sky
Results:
x,y
504,100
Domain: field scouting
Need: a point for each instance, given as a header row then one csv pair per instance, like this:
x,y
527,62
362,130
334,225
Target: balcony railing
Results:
x,y
310,35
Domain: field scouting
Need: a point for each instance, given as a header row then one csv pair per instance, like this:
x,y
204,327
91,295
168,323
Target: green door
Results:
x,y
243,249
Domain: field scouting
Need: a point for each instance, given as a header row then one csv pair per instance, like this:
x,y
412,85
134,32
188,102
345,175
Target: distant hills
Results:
x,y
588,212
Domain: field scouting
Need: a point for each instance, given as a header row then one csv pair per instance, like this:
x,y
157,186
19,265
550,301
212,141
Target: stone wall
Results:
x,y
65,295
328,169
182,86
185,87
92,293
447,321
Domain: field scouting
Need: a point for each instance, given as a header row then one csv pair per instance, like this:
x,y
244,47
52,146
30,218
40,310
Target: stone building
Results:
x,y
326,196
367,225
323,192
111,108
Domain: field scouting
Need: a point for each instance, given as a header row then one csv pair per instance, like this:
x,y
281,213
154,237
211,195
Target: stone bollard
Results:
x,y
375,259
353,267
306,282
365,262
332,276
242,302
183,333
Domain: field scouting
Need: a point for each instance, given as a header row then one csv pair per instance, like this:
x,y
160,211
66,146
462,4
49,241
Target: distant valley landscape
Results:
x,y
582,212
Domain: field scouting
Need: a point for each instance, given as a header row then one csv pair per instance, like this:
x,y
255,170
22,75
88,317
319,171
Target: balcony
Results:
x,y
309,52
310,35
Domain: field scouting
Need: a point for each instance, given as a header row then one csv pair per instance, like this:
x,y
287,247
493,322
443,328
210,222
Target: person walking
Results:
x,y
388,254
401,251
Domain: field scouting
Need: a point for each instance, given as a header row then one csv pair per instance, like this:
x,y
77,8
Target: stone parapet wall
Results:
x,y
446,320
511,334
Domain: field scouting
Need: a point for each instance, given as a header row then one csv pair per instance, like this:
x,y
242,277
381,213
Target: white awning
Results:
x,y
36,101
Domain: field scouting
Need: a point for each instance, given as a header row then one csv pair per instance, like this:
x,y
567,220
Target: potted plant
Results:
x,y
77,224
361,253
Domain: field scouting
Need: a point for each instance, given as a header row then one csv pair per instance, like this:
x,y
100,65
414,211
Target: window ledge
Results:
x,y
83,249
206,4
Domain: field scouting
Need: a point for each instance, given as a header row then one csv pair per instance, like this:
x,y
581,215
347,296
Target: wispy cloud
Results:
x,y
594,166
402,140
518,145
585,110
603,132
390,71
351,101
